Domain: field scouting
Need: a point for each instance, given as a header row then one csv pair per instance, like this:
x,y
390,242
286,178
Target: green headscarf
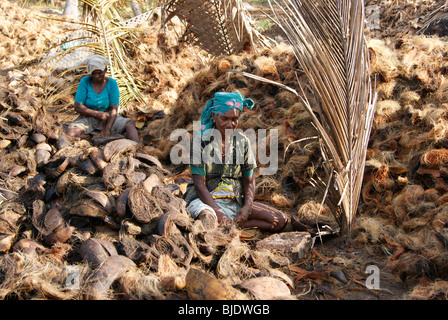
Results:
x,y
222,102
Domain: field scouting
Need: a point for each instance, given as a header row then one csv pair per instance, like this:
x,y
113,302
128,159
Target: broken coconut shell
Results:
x,y
165,224
62,182
43,146
101,198
203,286
97,158
116,147
121,203
296,243
266,288
42,157
53,220
96,251
88,167
54,168
16,170
62,142
6,242
38,138
60,235
88,208
30,247
111,269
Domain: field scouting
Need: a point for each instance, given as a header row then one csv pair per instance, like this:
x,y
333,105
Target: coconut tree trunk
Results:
x,y
71,9
135,8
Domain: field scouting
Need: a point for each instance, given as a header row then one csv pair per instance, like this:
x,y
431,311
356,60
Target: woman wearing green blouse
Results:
x,y
223,184
97,100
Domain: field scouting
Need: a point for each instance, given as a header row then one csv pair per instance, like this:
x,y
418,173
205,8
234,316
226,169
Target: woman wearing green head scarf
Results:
x,y
223,185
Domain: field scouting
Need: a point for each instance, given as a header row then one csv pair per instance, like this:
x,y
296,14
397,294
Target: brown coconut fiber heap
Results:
x,y
104,218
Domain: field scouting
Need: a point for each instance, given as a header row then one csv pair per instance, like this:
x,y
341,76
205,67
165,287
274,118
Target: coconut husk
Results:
x,y
172,277
137,285
202,286
139,251
266,288
141,204
118,174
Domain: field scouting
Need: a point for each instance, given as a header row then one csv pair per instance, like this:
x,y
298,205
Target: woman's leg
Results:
x,y
131,131
77,132
265,218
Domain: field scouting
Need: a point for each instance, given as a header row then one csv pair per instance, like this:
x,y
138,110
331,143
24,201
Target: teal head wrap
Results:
x,y
222,102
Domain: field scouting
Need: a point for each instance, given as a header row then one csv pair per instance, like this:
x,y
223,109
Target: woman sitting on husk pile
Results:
x,y
224,190
97,100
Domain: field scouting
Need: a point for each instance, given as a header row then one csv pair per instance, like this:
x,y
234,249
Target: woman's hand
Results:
x,y
222,218
103,116
243,214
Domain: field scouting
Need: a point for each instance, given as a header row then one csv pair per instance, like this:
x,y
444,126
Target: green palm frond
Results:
x,y
220,27
327,37
102,31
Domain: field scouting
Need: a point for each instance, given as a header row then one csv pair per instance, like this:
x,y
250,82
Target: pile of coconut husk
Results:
x,y
104,218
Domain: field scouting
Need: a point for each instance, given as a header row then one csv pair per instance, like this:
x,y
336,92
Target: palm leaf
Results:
x,y
221,27
328,41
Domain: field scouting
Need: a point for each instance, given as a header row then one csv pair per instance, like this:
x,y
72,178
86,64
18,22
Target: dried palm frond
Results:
x,y
102,31
221,27
327,38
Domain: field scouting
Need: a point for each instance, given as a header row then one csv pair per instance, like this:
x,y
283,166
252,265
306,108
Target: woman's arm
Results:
x,y
112,116
249,194
206,197
83,110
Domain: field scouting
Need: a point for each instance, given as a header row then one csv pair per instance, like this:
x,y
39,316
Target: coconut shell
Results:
x,y
266,288
151,182
203,286
118,146
165,224
113,177
59,235
111,269
6,242
38,216
62,182
43,146
88,208
53,220
4,143
16,170
121,203
101,198
55,168
38,138
29,246
88,167
97,158
149,159
42,157
62,142
96,251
